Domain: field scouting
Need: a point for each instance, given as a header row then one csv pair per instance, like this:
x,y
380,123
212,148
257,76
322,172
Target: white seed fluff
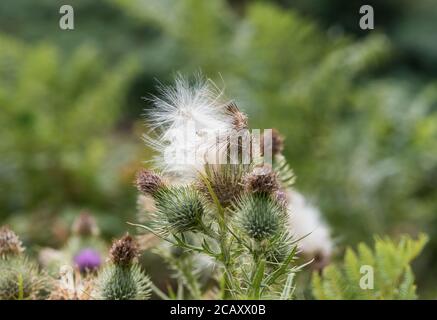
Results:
x,y
190,126
305,221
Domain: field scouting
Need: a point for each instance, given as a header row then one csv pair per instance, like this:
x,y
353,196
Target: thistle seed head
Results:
x,y
148,182
124,251
85,225
10,244
262,179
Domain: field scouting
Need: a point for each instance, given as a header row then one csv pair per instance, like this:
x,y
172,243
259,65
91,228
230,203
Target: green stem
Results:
x,y
20,287
226,282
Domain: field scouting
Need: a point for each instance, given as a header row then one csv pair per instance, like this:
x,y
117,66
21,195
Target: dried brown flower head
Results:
x,y
10,244
239,118
148,182
226,182
124,251
262,179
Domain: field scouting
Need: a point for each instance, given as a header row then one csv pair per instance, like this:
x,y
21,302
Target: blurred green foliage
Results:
x,y
58,114
388,275
359,109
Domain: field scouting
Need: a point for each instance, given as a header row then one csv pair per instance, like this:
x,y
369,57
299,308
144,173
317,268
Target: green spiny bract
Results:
x,y
19,277
178,209
260,217
123,283
278,248
122,278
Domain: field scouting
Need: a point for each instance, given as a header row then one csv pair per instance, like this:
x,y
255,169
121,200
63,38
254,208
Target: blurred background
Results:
x,y
358,107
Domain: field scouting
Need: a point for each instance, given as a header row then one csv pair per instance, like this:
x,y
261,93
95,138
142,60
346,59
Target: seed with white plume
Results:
x,y
190,125
305,221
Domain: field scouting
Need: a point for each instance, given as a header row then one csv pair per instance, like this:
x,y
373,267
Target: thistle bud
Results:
x,y
10,244
260,217
124,251
123,278
85,225
179,209
262,179
148,182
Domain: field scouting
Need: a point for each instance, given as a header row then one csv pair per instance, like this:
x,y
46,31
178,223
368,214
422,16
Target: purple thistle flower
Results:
x,y
87,260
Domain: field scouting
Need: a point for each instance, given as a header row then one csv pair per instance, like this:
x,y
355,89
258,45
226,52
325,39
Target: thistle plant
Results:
x,y
122,278
20,278
225,216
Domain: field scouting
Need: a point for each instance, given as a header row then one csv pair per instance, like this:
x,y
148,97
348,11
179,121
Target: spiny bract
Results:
x,y
123,283
179,209
260,217
21,279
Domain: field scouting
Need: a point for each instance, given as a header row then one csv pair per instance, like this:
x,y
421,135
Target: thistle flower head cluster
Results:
x,y
236,214
10,244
